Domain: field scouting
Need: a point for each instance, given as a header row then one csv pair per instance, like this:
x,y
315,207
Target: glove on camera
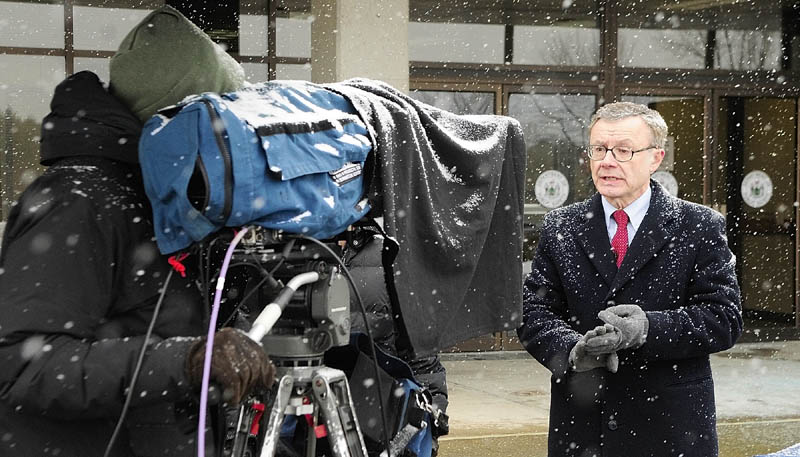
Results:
x,y
630,321
239,365
580,360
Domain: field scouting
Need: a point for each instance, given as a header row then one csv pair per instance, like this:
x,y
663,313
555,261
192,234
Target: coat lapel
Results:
x,y
593,238
657,229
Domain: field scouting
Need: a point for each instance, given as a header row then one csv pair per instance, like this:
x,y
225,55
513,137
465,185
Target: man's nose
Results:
x,y
609,160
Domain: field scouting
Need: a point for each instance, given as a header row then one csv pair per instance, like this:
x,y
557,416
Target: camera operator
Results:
x,y
80,275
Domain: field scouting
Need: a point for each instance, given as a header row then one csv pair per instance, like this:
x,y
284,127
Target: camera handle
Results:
x,y
270,314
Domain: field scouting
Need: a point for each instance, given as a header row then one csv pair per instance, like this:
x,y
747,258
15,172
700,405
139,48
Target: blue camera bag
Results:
x,y
284,155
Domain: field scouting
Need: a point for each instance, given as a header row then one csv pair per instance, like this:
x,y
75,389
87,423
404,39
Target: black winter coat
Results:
x,y
79,278
680,271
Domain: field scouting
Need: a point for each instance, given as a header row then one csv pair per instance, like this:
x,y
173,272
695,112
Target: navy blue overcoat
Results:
x,y
680,270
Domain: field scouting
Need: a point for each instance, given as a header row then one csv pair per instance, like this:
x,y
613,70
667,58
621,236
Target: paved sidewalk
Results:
x,y
499,401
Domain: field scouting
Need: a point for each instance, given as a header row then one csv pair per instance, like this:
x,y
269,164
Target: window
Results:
x,y
557,171
35,56
445,42
724,34
457,102
28,83
545,32
556,45
97,28
31,25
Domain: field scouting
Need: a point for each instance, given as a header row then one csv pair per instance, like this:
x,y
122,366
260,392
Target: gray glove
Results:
x,y
580,360
631,322
603,339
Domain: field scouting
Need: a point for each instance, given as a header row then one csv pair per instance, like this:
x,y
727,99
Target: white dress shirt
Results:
x,y
635,212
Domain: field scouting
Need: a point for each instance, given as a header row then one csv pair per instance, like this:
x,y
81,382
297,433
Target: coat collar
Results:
x,y
593,238
656,230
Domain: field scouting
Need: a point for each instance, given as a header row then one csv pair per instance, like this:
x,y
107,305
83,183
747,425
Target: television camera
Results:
x,y
307,291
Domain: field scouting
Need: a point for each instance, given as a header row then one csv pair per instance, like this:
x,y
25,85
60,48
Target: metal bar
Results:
x,y
698,87
69,38
608,54
508,33
575,90
711,48
276,414
708,146
587,80
483,67
272,43
734,163
716,151
462,86
32,51
789,31
7,188
756,82
656,90
332,394
797,218
500,103
90,53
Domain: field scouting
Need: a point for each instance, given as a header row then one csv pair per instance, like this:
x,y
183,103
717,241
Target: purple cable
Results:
x,y
201,422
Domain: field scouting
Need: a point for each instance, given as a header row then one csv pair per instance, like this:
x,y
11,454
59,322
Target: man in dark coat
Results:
x,y
80,277
625,309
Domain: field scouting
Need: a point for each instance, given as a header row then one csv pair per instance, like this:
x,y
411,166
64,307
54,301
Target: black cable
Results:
x,y
138,367
264,272
244,299
207,276
369,336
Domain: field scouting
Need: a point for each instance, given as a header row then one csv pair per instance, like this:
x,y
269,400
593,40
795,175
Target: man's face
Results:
x,y
623,182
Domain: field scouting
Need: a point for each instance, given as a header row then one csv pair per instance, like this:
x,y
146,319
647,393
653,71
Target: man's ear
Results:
x,y
658,157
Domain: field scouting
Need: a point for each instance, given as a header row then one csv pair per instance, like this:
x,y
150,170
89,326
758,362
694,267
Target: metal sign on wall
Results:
x,y
552,189
756,189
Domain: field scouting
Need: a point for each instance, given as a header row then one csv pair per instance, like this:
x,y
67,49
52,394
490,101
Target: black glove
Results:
x,y
239,365
631,322
580,360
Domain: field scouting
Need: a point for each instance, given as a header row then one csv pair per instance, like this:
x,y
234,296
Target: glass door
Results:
x,y
681,172
754,184
557,172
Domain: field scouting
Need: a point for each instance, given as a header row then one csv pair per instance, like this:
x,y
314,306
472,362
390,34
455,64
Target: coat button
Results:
x,y
612,424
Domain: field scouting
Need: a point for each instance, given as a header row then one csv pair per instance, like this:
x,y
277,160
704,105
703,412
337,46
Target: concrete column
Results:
x,y
360,38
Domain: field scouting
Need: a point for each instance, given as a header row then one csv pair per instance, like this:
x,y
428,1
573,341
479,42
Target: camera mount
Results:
x,y
308,312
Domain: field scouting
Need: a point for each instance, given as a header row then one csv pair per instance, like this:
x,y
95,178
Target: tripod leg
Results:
x,y
240,441
276,416
311,437
333,397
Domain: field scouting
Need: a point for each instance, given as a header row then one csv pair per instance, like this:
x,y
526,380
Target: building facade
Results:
x,y
723,73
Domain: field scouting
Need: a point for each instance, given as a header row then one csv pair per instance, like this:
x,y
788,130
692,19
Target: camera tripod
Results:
x,y
331,400
316,318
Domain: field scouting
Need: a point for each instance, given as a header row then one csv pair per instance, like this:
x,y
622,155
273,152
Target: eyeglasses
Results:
x,y
620,153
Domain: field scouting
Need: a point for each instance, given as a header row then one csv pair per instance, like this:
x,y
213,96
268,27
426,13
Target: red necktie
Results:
x,y
620,241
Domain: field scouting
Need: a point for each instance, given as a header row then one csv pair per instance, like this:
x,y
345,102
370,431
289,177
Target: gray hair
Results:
x,y
622,110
